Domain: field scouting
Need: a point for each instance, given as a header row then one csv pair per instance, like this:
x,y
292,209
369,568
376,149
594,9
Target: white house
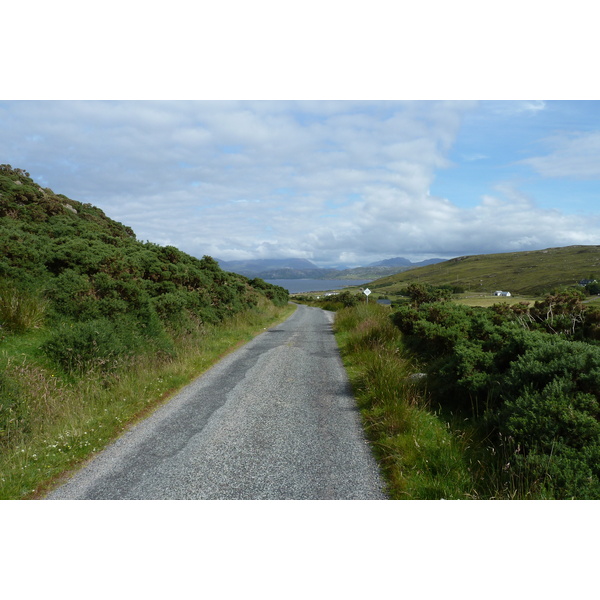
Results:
x,y
499,293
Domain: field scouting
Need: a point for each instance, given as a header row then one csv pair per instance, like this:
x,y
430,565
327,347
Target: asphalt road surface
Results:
x,y
274,420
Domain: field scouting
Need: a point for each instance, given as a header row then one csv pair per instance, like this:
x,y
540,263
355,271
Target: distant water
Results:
x,y
297,286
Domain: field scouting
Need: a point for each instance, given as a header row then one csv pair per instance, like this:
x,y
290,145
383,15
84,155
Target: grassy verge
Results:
x,y
422,456
488,301
60,421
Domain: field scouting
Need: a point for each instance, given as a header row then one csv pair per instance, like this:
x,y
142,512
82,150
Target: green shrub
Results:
x,y
509,375
540,420
348,299
567,473
433,329
425,293
552,396
72,295
169,306
82,346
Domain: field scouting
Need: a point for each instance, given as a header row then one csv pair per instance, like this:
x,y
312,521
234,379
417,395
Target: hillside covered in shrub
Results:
x,y
81,266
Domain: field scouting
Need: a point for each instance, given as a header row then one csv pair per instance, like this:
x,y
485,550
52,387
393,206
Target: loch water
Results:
x,y
298,286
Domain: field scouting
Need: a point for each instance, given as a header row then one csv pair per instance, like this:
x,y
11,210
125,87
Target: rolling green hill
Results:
x,y
528,273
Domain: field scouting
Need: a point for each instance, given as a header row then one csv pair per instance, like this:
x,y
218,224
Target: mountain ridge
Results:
x,y
299,268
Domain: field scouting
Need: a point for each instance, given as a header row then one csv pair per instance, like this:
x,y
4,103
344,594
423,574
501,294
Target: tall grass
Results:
x,y
421,455
60,421
20,310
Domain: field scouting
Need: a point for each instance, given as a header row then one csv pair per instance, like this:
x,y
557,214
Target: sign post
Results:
x,y
366,292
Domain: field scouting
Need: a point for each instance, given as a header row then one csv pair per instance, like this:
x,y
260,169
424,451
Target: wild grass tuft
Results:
x,y
20,310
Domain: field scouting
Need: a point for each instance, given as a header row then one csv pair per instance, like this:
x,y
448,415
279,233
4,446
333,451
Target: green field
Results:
x,y
487,300
521,273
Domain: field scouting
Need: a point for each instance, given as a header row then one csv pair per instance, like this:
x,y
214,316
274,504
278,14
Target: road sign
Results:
x,y
366,291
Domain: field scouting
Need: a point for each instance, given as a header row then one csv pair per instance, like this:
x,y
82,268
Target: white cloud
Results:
x,y
328,181
392,224
574,155
532,106
473,157
517,107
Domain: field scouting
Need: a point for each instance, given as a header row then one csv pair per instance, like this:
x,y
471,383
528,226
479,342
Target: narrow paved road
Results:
x,y
274,420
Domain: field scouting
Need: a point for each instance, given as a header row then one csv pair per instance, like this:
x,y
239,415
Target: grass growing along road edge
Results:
x,y
72,420
426,451
421,456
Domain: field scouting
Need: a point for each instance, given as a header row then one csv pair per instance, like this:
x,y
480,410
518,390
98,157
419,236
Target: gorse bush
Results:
x,y
520,375
552,410
420,293
92,267
79,347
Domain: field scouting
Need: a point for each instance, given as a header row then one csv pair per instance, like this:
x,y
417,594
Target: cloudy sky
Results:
x,y
336,182
345,151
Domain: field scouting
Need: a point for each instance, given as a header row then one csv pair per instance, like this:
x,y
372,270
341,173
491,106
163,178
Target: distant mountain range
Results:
x,y
300,268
